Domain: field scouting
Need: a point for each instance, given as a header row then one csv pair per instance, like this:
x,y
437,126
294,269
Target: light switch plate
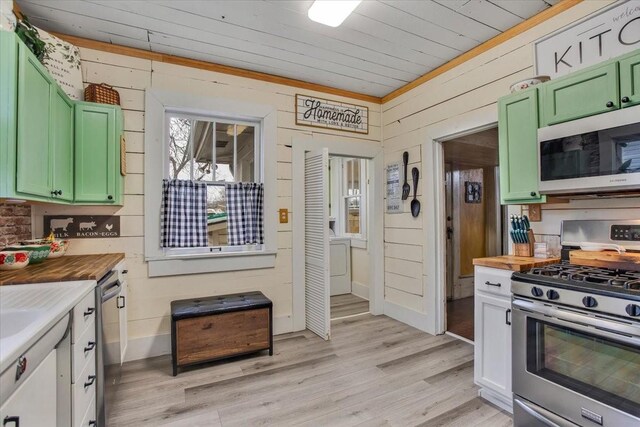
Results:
x,y
284,216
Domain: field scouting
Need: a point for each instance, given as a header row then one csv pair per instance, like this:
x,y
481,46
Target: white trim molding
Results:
x,y
360,290
157,103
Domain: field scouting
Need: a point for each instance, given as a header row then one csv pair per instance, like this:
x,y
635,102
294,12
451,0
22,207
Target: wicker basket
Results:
x,y
102,93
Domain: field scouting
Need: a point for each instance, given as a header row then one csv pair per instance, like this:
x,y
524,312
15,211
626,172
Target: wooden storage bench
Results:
x,y
211,328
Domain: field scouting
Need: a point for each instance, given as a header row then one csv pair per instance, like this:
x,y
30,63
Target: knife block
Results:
x,y
525,249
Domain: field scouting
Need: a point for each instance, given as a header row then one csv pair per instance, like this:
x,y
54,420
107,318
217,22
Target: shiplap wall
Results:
x,y
149,299
460,99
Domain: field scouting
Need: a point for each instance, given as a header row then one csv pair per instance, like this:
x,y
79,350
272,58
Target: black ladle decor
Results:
x,y
415,204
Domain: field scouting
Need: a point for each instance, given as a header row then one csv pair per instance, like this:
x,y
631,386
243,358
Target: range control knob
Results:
x,y
537,292
551,294
633,310
589,302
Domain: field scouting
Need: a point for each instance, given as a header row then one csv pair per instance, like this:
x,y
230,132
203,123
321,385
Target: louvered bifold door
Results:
x,y
316,231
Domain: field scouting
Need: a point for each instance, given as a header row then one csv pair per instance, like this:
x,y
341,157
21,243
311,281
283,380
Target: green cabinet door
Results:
x,y
35,89
95,153
592,91
518,135
62,146
630,80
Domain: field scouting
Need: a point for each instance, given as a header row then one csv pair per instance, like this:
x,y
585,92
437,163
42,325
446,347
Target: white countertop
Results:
x,y
37,307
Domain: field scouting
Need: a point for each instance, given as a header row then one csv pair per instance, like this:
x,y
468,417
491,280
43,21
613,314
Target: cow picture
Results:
x,y
60,223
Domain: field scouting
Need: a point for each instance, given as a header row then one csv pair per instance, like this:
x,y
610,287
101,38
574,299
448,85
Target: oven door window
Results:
x,y
607,152
600,368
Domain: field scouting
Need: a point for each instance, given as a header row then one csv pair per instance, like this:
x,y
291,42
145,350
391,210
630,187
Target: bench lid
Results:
x,y
193,307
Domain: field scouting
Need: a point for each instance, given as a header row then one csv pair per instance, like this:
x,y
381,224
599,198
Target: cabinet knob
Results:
x,y
90,380
14,420
110,197
625,99
609,104
533,194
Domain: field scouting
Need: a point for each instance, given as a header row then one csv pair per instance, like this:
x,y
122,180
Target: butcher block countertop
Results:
x,y
606,259
63,269
514,263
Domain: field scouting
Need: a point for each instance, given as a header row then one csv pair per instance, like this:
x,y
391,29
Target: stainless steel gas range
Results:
x,y
576,340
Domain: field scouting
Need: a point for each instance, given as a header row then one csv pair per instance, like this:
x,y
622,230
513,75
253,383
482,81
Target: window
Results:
x,y
213,151
348,188
199,155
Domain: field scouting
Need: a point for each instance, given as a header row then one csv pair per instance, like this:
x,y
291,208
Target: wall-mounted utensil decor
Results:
x,y
406,188
415,203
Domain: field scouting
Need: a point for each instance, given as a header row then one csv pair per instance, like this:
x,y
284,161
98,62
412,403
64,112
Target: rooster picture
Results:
x,y
108,227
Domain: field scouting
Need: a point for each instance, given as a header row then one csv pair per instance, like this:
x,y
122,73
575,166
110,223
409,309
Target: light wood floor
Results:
x,y
460,317
374,372
348,305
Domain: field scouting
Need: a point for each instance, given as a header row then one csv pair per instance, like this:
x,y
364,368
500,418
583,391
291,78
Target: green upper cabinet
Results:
x,y
53,149
630,79
592,91
97,153
33,152
8,112
518,133
62,146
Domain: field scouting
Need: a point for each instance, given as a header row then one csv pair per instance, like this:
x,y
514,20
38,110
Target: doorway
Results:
x,y
308,305
473,220
348,254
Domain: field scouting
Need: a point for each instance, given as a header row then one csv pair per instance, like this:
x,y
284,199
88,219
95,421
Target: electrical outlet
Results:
x,y
284,216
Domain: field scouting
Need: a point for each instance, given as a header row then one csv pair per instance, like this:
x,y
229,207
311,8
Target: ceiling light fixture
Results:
x,y
331,12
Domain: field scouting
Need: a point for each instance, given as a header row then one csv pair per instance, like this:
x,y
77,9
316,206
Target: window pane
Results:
x,y
179,148
352,210
203,150
216,216
353,177
246,159
224,152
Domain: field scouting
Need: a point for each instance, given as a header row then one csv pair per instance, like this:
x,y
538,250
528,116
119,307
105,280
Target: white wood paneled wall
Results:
x,y
149,321
462,98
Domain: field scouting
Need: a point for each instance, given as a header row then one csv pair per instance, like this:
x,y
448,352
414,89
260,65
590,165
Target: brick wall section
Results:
x,y
15,223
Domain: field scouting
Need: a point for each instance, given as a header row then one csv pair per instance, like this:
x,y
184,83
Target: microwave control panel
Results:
x,y
625,232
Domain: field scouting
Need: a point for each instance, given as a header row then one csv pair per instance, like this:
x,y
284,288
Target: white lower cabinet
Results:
x,y
492,366
33,404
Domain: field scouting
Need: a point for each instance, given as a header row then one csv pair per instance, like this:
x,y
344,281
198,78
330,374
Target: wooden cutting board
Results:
x,y
606,259
514,263
63,269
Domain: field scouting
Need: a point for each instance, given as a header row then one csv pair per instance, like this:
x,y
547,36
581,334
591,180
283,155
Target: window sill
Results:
x,y
176,265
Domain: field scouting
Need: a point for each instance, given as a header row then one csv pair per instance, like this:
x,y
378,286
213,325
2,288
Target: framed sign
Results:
x,y
605,34
82,226
327,114
394,188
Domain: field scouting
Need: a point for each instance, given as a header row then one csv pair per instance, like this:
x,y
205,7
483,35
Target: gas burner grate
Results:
x,y
622,279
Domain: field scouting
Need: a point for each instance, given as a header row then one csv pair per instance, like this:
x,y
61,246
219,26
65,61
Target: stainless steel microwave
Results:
x,y
597,154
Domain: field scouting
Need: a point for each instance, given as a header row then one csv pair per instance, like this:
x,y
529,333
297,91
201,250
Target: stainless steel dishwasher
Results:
x,y
108,292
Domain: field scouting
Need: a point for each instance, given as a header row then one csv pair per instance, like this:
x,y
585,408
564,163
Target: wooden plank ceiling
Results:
x,y
381,47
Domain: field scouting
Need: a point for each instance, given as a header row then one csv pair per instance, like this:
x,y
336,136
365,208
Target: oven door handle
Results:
x,y
617,330
535,414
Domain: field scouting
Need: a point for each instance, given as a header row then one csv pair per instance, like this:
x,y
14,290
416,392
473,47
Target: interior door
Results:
x,y
316,230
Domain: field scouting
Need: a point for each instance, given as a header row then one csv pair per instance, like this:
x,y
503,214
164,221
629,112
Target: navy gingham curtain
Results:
x,y
183,214
245,203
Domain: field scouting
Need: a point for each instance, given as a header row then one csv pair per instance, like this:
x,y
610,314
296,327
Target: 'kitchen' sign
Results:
x,y
608,33
323,113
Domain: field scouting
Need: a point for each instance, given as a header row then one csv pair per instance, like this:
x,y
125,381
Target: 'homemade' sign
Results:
x,y
603,35
82,226
324,113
